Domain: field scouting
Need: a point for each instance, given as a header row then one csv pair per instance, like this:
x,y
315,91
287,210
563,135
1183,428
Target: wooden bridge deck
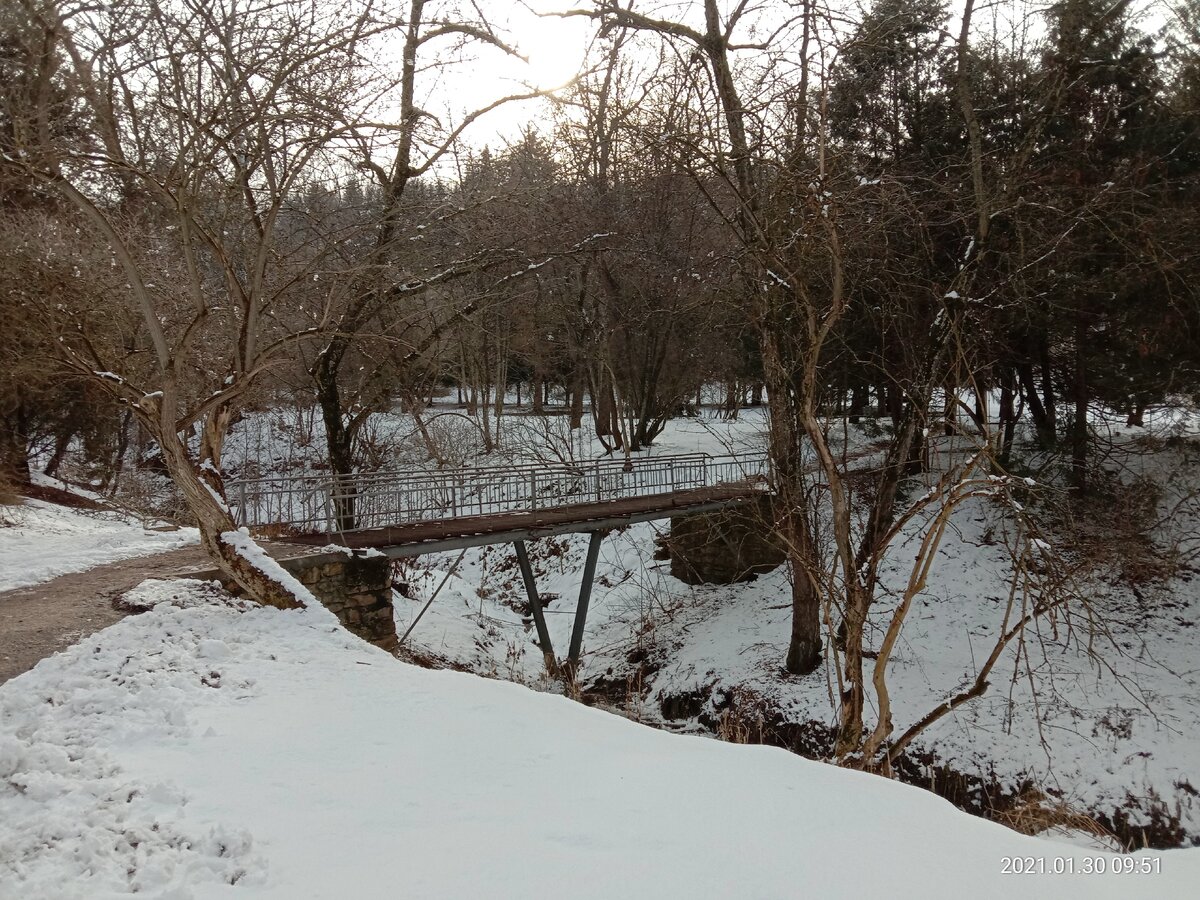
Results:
x,y
435,535
448,509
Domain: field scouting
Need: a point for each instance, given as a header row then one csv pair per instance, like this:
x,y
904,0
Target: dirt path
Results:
x,y
39,620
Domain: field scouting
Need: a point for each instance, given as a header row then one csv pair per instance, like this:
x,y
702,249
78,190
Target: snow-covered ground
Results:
x,y
40,541
207,750
1114,736
1098,709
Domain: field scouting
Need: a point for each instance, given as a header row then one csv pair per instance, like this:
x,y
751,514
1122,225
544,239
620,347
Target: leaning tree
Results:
x,y
208,124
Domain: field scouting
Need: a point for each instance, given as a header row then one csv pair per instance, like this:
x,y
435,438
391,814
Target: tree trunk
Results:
x,y
788,467
850,718
858,402
14,449
576,416
918,456
979,415
501,390
1008,416
485,425
62,442
112,474
608,420
212,437
1079,427
537,395
804,645
1042,422
339,441
203,491
1049,401
732,400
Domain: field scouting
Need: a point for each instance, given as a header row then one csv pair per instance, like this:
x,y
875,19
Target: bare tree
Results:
x,y
713,46
395,154
811,228
207,123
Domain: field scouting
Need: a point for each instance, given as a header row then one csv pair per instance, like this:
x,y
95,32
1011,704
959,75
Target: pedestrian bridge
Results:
x,y
409,512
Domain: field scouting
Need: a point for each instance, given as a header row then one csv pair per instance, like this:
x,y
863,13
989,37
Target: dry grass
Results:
x,y
1111,531
734,729
743,718
1032,812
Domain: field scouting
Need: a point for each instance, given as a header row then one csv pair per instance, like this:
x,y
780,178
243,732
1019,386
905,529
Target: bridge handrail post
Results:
x,y
242,518
533,488
330,498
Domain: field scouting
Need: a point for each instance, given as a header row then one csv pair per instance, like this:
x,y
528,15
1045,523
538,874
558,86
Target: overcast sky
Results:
x,y
555,48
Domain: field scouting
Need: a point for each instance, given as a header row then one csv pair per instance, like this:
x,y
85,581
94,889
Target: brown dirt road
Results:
x,y
39,620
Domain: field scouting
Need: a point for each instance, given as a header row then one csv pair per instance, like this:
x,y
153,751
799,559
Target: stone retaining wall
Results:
x,y
358,590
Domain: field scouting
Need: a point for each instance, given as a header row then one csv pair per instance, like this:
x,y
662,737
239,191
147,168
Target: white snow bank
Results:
x,y
75,822
203,743
207,742
49,540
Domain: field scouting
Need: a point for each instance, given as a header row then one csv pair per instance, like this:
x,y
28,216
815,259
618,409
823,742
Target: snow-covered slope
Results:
x,y
1099,707
201,744
46,540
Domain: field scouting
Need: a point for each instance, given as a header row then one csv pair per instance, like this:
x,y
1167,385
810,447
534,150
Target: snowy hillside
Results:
x,y
1109,730
200,746
39,541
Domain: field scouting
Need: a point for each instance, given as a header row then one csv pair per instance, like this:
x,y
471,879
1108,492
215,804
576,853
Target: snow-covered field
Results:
x,y
1111,728
206,750
203,744
1111,731
39,541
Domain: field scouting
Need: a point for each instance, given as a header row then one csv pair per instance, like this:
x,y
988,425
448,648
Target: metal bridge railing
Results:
x,y
327,503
